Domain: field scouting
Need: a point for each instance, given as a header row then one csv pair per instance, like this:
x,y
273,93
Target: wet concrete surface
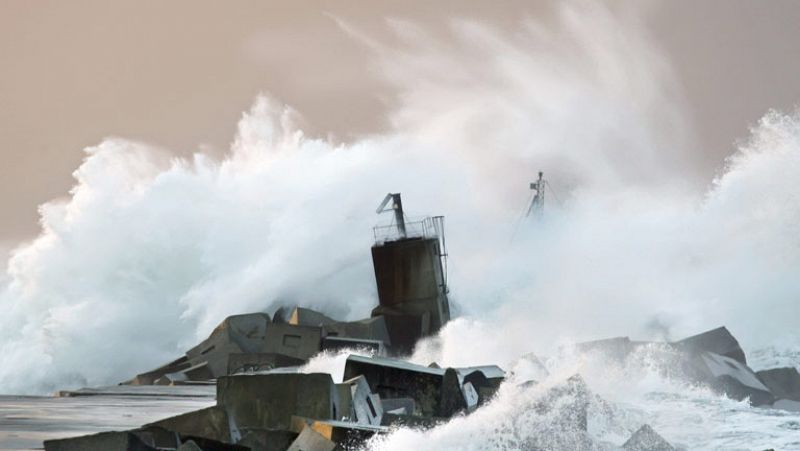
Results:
x,y
26,421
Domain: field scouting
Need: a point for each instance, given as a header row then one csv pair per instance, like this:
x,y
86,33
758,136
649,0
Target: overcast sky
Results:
x,y
178,74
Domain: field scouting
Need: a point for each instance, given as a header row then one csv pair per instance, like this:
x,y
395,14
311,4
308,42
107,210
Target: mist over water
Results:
x,y
150,252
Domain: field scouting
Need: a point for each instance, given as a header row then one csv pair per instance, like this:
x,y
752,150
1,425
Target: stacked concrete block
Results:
x,y
436,392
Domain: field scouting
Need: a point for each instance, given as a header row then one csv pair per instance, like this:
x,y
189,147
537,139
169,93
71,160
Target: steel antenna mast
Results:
x,y
537,204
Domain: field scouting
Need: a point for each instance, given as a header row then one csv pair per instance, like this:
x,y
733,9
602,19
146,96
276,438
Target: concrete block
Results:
x,y
471,397
343,403
104,441
391,378
485,394
157,437
405,330
199,372
368,329
299,342
646,439
727,375
787,404
411,421
206,444
366,405
782,382
718,341
306,317
236,334
151,376
435,391
282,315
269,401
398,406
260,361
311,440
212,423
267,439
451,400
189,446
483,381
345,434
482,376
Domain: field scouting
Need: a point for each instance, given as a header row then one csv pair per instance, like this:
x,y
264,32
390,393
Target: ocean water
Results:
x,y
147,253
620,400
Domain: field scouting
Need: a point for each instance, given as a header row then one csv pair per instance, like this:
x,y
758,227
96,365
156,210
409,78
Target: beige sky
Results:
x,y
179,74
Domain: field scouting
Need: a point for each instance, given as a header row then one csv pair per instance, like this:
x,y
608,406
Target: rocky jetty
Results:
x,y
265,403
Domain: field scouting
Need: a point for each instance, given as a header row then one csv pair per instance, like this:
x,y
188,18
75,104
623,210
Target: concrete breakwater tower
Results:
x,y
410,262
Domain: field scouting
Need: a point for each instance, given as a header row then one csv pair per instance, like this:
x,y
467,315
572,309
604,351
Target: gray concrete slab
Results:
x,y
25,422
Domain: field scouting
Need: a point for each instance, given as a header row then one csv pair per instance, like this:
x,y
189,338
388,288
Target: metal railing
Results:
x,y
429,227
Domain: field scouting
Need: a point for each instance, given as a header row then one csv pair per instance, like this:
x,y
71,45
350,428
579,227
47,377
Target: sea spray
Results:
x,y
149,253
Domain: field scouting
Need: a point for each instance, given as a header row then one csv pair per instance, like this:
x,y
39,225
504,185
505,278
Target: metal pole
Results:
x,y
398,215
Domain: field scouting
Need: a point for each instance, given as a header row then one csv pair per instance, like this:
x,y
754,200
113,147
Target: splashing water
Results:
x,y
150,252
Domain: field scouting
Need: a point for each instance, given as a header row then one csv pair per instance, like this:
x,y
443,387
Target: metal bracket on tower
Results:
x,y
397,206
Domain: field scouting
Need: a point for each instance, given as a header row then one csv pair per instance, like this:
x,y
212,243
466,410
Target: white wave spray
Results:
x,y
150,252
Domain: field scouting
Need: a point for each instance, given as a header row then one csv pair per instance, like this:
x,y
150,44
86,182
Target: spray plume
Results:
x,y
150,252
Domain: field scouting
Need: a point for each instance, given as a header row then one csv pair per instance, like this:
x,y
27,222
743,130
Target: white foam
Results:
x,y
149,253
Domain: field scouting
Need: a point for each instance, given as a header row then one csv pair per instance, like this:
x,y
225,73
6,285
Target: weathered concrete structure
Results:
x,y
411,289
269,401
409,264
727,375
212,422
311,440
264,404
713,358
347,435
365,329
646,439
436,392
236,334
719,341
267,439
104,441
784,383
281,409
398,379
366,406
